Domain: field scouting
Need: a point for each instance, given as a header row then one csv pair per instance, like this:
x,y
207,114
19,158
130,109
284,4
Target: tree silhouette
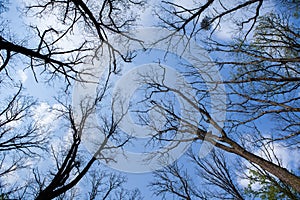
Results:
x,y
260,64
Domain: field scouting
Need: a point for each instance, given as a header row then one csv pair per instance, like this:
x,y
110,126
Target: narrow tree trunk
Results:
x,y
51,193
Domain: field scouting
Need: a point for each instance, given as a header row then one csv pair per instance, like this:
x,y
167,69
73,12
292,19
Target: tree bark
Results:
x,y
282,173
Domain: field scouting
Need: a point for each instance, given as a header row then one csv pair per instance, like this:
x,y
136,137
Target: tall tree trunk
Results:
x,y
282,173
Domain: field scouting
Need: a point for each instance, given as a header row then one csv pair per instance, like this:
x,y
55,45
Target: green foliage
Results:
x,y
269,188
272,53
4,197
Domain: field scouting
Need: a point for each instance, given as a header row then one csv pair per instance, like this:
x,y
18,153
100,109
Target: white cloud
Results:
x,y
228,25
46,115
226,30
185,4
22,76
50,20
283,154
11,178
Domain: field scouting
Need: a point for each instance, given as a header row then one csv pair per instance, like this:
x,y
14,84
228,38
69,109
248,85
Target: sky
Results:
x,y
45,109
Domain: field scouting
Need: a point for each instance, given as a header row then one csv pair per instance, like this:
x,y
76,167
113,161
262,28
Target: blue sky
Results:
x,y
45,93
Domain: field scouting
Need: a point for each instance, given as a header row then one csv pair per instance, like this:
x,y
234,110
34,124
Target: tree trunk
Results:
x,y
282,173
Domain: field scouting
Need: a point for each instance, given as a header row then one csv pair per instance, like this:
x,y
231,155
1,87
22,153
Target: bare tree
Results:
x,y
269,186
109,186
15,112
21,138
217,170
176,182
213,178
193,20
269,67
72,164
216,177
223,141
263,85
49,56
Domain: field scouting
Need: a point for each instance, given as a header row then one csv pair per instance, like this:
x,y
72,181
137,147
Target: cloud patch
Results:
x,y
22,76
280,153
46,115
